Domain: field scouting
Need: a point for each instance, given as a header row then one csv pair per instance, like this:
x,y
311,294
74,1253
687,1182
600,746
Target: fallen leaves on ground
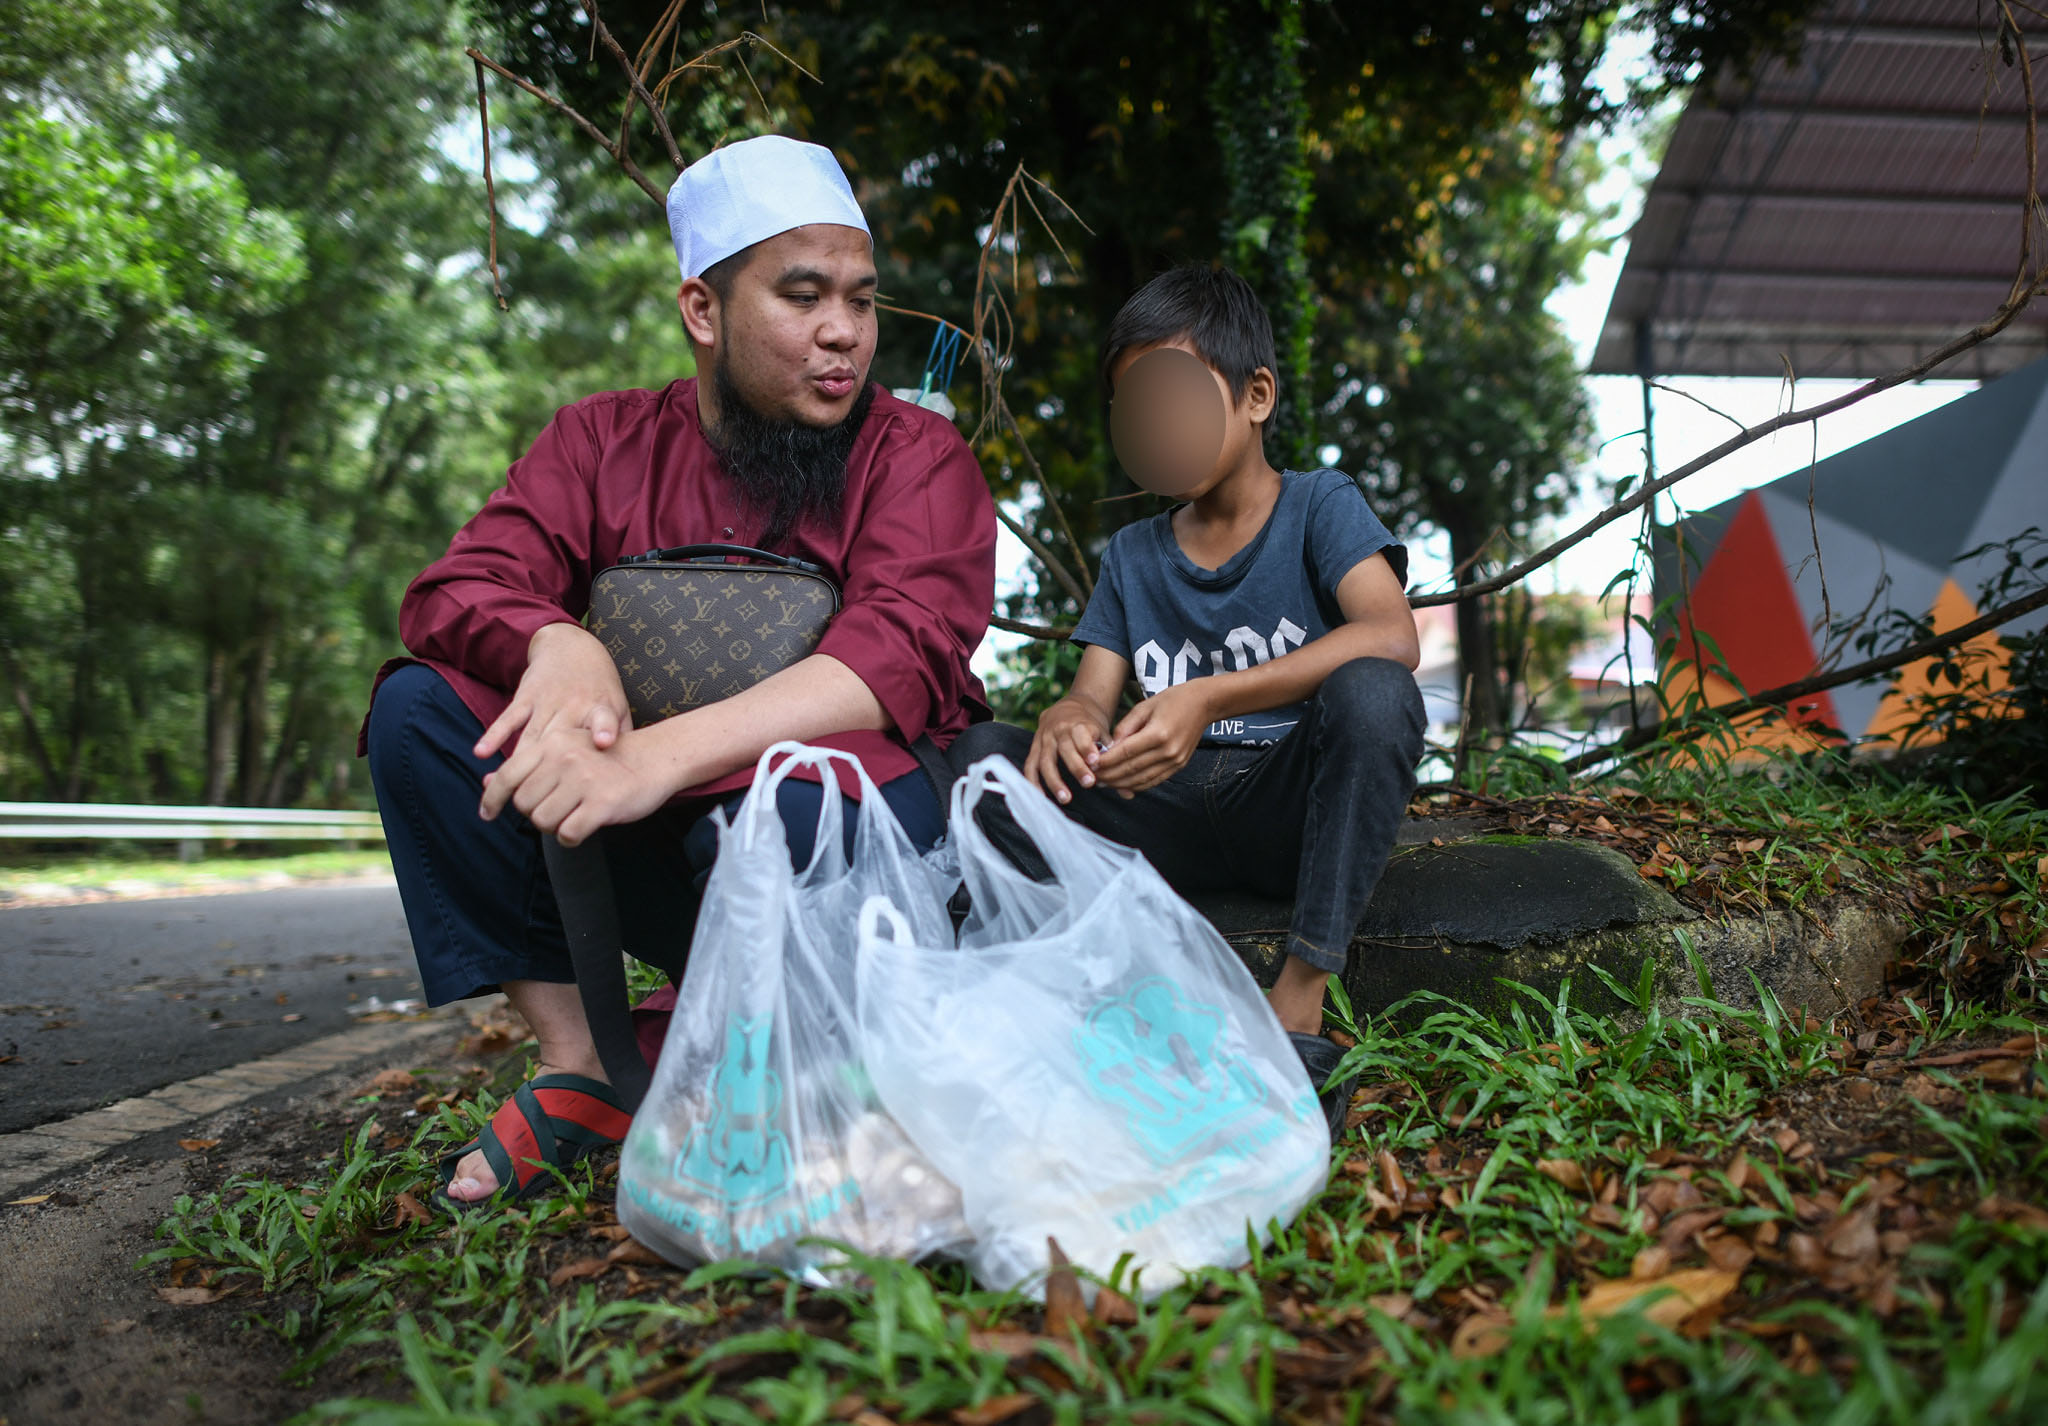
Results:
x,y
198,1146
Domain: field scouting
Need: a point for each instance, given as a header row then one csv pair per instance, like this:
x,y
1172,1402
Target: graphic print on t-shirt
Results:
x,y
1176,621
1243,647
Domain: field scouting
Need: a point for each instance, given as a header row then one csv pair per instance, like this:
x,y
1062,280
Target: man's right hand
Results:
x,y
570,682
1067,736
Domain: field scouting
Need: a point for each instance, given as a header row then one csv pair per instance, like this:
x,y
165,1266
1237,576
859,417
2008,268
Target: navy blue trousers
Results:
x,y
476,893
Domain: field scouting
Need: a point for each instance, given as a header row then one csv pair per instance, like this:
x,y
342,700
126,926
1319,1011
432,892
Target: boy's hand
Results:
x,y
1067,734
1155,739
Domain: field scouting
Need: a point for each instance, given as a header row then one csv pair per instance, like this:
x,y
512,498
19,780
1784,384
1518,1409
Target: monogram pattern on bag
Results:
x,y
688,634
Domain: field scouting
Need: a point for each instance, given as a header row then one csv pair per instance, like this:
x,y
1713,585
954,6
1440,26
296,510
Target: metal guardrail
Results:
x,y
87,821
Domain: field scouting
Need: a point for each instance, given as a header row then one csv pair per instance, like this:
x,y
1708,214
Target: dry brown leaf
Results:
x,y
1651,1263
1855,1236
1483,1334
995,1410
1011,1344
391,1081
1391,1177
1806,1253
1565,1171
406,1208
870,1417
1065,1312
1729,1253
198,1146
1667,1301
1676,1233
1395,1304
192,1296
1114,1308
632,1251
581,1268
32,1198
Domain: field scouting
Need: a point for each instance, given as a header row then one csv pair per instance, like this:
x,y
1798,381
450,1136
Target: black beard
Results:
x,y
792,471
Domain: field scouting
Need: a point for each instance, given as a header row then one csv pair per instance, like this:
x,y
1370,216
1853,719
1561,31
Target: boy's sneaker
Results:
x,y
1320,1058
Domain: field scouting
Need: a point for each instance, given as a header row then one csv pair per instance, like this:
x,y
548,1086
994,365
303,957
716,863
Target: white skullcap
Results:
x,y
751,191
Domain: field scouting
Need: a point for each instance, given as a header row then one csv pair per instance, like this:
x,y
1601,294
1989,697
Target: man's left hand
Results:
x,y
1155,739
567,785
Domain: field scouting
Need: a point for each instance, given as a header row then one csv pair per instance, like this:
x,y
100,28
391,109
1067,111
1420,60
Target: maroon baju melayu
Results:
x,y
623,472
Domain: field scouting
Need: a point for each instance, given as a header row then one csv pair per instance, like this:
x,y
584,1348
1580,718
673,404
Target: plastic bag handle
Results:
x,y
1030,808
877,909
768,779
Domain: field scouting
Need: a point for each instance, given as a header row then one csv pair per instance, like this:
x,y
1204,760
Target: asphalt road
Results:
x,y
116,998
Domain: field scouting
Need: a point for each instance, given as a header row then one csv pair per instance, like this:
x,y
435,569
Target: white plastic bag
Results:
x,y
761,1128
1093,1064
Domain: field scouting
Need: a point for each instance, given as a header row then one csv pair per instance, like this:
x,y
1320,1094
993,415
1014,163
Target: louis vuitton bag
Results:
x,y
689,626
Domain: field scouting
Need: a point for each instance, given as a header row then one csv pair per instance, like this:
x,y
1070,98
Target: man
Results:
x,y
511,721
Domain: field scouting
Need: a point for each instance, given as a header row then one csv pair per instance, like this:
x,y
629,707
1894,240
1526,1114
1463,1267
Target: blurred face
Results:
x,y
796,335
1176,429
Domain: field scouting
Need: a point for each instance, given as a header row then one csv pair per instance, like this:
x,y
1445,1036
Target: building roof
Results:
x,y
1845,212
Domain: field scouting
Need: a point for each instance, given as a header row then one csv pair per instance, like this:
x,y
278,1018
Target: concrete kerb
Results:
x,y
1463,919
30,1155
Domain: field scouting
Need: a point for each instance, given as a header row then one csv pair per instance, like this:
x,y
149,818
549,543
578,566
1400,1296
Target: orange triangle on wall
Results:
x,y
1983,656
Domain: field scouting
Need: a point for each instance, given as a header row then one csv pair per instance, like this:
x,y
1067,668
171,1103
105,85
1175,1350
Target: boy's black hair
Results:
x,y
1213,308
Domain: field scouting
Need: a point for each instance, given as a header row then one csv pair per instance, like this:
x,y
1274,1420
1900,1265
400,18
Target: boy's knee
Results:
x,y
1372,698
983,740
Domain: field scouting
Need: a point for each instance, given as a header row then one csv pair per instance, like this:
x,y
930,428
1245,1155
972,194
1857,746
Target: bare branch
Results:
x,y
1046,557
654,112
483,114
597,136
1036,631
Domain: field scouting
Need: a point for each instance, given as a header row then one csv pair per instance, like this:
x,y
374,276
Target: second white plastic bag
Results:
x,y
1093,1063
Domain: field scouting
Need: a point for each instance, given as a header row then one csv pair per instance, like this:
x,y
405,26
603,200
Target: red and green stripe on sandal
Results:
x,y
550,1121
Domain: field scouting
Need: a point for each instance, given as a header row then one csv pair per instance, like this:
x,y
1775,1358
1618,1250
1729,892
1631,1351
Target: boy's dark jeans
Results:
x,y
1313,817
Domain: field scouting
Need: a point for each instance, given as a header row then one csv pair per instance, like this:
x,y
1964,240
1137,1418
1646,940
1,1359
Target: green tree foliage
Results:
x,y
1161,126
1458,403
128,274
251,376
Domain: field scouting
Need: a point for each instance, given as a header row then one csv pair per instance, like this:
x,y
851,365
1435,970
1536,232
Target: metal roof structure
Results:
x,y
1844,213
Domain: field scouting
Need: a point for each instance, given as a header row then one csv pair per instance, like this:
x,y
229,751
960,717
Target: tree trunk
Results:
x,y
31,732
220,727
287,738
255,730
1478,660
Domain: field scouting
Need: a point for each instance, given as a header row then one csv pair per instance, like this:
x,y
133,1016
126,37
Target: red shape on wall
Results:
x,y
1744,600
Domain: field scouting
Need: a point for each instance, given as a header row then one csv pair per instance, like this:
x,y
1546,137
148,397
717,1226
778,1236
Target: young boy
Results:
x,y
1276,744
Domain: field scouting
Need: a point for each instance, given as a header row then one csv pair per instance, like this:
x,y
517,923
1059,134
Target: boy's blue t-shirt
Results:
x,y
1175,620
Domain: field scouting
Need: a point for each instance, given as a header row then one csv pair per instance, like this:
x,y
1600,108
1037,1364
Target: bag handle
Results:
x,y
769,776
876,910
716,551
1032,811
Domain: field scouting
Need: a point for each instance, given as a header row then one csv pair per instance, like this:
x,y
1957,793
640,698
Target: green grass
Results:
x,y
458,1323
25,874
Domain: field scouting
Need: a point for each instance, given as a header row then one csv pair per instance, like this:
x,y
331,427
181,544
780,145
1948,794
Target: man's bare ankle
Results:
x,y
590,1069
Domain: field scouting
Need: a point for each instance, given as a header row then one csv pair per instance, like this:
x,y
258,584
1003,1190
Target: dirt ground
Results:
x,y
84,1337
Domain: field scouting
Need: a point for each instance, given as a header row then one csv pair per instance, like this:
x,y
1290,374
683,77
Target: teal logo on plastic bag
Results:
x,y
740,1156
1155,1056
